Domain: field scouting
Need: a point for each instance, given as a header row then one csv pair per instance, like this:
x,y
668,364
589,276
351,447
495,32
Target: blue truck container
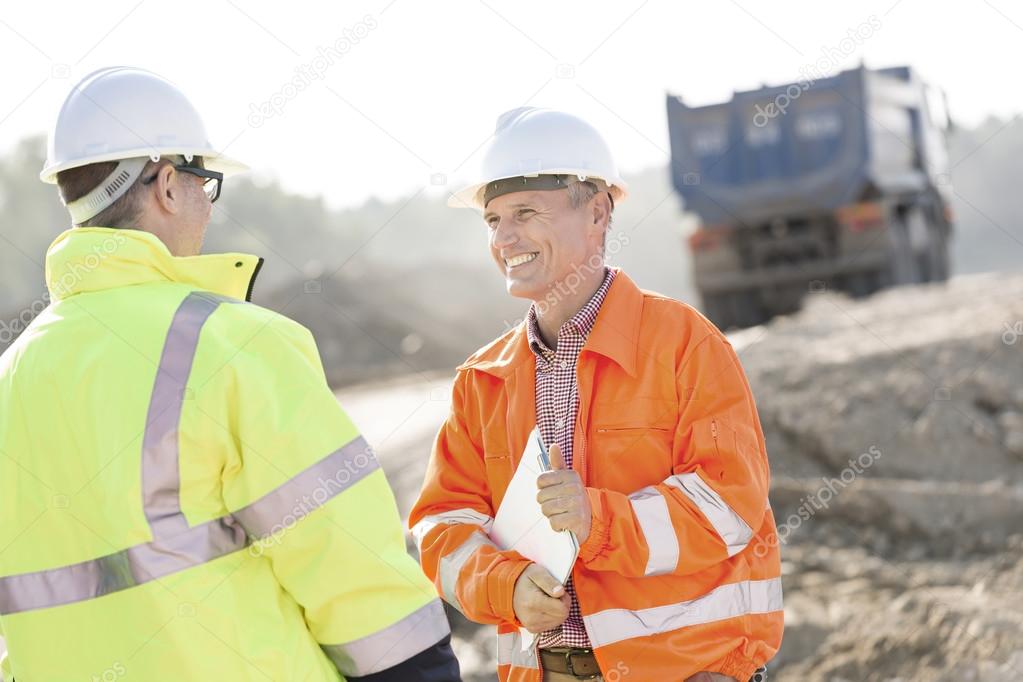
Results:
x,y
832,183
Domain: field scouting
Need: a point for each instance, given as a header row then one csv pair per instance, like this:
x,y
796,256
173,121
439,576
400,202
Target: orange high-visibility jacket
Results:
x,y
681,570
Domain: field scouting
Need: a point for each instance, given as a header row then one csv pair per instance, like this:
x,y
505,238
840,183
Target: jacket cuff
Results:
x,y
435,664
735,665
600,530
501,588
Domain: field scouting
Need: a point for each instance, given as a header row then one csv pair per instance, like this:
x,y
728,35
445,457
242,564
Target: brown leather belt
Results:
x,y
580,663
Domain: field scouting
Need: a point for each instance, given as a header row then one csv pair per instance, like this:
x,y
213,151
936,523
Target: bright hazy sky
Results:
x,y
414,92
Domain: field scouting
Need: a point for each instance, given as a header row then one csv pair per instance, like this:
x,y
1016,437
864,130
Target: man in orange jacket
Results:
x,y
661,470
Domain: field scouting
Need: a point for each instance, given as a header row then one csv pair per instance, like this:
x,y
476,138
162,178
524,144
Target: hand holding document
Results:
x,y
521,525
564,499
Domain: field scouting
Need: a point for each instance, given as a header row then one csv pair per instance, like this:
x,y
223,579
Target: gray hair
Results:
x,y
580,193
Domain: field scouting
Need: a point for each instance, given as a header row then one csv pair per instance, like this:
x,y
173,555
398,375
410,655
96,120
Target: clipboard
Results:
x,y
520,524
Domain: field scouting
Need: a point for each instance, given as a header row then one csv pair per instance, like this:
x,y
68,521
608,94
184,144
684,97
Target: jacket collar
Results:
x,y
615,335
86,259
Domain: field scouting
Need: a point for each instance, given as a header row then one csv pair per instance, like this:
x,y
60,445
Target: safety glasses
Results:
x,y
212,180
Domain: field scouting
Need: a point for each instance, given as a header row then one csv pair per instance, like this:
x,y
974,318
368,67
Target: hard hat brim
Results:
x,y
469,197
212,160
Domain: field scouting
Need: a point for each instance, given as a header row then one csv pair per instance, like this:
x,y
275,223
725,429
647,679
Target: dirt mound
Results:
x,y
894,427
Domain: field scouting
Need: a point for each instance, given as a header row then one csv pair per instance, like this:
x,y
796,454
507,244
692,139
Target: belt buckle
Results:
x,y
571,669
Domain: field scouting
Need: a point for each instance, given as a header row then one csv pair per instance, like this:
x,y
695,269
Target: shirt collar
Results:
x,y
615,335
581,323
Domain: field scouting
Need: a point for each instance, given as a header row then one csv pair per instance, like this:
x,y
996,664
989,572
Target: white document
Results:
x,y
520,524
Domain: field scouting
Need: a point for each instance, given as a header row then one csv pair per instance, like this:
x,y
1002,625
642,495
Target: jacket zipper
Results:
x,y
583,462
580,419
252,279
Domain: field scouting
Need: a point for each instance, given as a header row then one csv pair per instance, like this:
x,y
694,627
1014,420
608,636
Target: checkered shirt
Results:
x,y
557,403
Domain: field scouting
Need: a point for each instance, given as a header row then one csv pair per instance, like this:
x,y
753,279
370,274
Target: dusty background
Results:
x,y
912,570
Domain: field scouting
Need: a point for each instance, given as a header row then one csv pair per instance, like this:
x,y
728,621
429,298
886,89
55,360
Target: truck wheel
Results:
x,y
904,268
717,310
937,253
861,284
734,309
745,308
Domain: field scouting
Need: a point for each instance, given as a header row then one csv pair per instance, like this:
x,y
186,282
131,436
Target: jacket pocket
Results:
x,y
499,474
627,458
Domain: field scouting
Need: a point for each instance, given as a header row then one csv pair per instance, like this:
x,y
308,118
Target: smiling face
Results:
x,y
538,238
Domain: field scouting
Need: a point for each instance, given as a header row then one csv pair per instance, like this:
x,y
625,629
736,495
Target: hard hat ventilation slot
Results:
x,y
109,190
121,178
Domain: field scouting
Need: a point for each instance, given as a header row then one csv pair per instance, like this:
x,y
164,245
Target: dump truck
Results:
x,y
836,183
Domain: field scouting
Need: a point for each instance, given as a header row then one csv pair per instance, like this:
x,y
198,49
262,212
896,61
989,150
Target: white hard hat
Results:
x,y
123,113
531,143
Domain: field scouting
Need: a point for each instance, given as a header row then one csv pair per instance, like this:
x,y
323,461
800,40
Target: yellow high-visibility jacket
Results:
x,y
182,497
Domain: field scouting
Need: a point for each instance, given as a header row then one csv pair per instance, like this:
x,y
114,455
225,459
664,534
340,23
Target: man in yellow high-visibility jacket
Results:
x,y
182,496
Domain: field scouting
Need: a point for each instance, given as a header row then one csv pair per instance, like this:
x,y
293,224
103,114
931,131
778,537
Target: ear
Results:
x,y
600,213
168,189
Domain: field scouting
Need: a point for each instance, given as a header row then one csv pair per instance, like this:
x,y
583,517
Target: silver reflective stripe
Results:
x,y
292,501
734,531
452,563
652,513
176,546
396,643
509,651
119,571
464,516
195,545
160,474
727,601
